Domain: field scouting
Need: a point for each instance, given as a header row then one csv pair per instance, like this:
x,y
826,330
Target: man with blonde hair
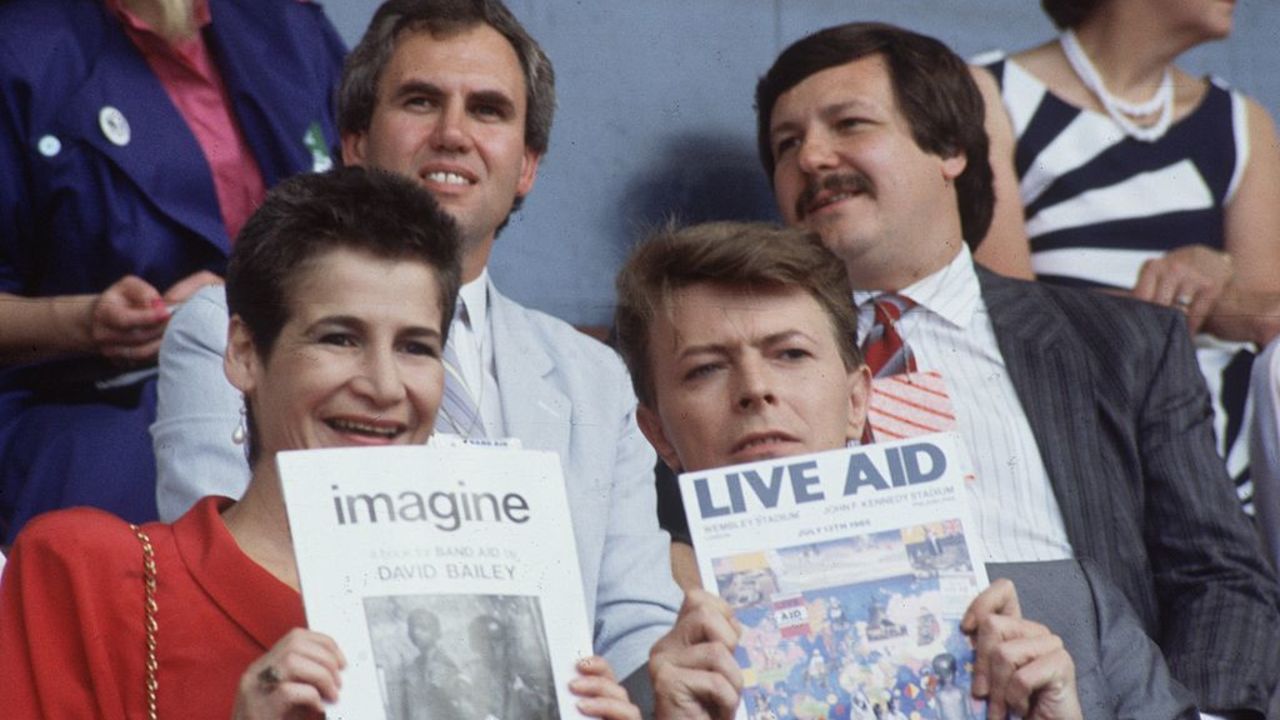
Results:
x,y
736,336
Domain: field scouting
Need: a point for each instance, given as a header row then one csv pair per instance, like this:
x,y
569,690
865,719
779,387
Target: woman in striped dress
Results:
x,y
1135,177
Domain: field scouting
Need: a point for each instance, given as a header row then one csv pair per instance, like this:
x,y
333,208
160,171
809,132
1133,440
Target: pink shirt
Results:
x,y
195,86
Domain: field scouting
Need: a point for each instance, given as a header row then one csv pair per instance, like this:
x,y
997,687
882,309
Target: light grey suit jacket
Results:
x,y
560,391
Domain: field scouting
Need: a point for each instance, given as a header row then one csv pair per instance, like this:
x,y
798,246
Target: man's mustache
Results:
x,y
850,182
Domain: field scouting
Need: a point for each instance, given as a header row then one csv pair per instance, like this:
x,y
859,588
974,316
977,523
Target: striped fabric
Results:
x,y
1112,392
458,411
1099,204
882,348
472,405
909,404
951,338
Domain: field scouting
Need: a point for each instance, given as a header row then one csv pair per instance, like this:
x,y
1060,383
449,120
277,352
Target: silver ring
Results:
x,y
1183,300
269,678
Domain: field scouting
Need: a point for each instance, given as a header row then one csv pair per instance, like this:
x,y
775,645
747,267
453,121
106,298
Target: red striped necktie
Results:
x,y
883,348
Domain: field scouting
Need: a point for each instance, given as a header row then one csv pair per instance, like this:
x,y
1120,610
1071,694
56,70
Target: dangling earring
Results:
x,y
241,433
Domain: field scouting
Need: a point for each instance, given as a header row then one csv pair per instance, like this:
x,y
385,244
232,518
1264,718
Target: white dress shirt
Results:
x,y
950,331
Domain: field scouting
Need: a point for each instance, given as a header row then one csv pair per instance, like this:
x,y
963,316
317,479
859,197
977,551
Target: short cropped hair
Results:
x,y
933,89
733,254
1069,13
358,92
366,210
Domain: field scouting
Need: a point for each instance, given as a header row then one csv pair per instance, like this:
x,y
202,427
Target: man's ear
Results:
x,y
528,172
353,148
241,363
858,384
651,425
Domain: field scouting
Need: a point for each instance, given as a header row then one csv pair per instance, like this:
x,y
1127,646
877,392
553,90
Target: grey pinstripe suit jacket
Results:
x,y
1120,673
1122,418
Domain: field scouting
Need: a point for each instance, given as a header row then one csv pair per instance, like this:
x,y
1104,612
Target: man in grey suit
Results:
x,y
457,95
1089,425
735,337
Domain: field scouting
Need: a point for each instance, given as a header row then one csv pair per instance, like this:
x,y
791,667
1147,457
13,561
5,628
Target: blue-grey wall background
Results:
x,y
655,114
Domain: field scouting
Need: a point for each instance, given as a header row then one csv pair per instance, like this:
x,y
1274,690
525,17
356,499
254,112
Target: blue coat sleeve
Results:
x,y
14,173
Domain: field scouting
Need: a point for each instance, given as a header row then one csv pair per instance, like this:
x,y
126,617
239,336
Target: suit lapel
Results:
x,y
1056,388
535,410
274,124
176,180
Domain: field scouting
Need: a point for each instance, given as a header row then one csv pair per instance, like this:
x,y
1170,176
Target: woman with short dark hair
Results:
x,y
341,288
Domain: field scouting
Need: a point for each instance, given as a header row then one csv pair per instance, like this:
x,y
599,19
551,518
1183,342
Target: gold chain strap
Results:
x,y
149,585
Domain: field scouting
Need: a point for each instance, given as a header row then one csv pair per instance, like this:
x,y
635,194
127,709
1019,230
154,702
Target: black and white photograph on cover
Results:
x,y
456,657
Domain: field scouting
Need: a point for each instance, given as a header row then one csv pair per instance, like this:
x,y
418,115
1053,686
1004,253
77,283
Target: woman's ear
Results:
x,y
241,362
651,425
953,165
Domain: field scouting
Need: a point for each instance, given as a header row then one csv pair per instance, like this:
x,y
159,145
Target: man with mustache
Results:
x,y
1085,416
458,95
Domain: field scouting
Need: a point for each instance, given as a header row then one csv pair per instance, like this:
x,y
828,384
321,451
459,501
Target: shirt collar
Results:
x,y
473,304
200,11
242,588
951,293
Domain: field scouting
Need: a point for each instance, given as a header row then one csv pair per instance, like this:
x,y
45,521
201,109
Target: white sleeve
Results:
x,y
637,600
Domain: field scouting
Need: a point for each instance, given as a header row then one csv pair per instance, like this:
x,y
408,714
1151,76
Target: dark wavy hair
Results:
x,y
358,92
371,211
934,91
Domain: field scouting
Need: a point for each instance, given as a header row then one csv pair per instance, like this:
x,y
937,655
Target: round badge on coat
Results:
x,y
49,145
114,125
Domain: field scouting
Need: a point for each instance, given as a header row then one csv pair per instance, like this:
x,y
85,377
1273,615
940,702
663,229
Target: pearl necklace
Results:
x,y
1122,111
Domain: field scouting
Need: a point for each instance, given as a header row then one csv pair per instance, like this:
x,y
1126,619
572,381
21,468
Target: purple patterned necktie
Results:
x,y
458,410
